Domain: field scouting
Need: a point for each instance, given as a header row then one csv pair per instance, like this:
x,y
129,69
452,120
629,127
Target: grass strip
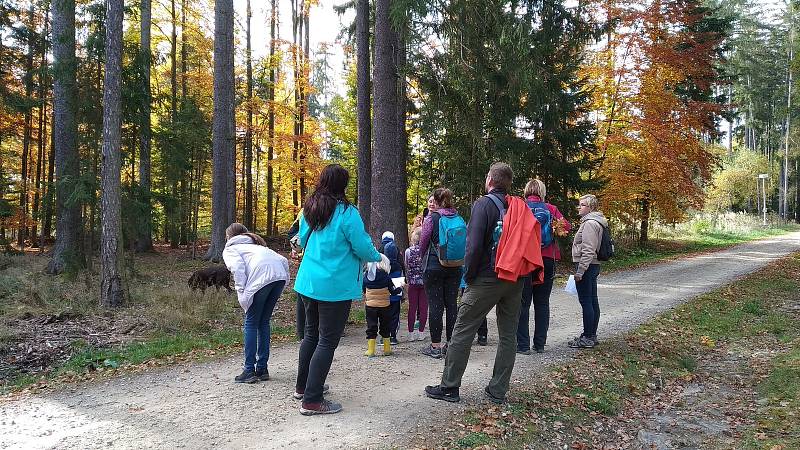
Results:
x,y
597,399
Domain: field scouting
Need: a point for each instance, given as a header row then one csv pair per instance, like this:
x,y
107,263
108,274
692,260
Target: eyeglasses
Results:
x,y
582,204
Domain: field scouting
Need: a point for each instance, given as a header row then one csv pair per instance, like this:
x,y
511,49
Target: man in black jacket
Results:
x,y
484,292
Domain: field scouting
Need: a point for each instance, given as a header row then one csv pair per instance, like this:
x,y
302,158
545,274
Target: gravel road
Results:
x,y
198,406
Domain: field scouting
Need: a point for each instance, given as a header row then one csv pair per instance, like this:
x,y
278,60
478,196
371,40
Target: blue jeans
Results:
x,y
587,296
256,325
539,296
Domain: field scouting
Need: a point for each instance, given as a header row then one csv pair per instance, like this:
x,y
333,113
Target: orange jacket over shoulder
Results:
x,y
519,251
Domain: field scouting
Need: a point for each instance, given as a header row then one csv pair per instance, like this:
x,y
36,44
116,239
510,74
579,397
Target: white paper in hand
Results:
x,y
571,288
399,282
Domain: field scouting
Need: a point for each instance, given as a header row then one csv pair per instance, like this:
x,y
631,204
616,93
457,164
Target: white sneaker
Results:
x,y
420,336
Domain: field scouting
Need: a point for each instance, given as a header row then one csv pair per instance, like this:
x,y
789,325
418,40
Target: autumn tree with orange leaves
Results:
x,y
654,109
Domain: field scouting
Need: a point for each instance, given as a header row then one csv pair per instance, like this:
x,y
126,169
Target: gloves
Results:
x,y
385,265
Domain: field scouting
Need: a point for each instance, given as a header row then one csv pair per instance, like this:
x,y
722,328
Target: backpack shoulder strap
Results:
x,y
500,206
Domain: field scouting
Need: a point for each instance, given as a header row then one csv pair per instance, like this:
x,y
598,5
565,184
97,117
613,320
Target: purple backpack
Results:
x,y
414,265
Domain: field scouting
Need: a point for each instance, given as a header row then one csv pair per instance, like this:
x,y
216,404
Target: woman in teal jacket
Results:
x,y
335,247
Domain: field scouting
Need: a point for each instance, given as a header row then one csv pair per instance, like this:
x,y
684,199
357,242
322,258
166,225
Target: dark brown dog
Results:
x,y
217,276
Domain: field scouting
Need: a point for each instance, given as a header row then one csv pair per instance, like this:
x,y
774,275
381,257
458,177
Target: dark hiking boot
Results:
x,y
581,342
433,352
323,407
492,398
247,376
262,374
439,392
524,352
298,393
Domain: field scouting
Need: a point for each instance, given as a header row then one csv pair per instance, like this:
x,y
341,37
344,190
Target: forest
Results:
x,y
132,126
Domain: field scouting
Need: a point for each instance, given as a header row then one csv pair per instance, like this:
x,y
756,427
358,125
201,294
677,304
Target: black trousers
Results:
x,y
378,318
325,322
441,287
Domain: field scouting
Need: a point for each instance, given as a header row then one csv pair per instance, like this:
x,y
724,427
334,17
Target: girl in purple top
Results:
x,y
417,299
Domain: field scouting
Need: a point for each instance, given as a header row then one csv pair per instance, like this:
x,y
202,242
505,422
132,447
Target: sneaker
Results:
x,y
581,342
393,340
433,352
323,407
539,349
262,374
247,376
442,393
524,352
594,339
492,398
298,394
482,340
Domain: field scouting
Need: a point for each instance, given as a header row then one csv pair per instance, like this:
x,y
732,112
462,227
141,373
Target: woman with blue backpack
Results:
x,y
552,223
442,242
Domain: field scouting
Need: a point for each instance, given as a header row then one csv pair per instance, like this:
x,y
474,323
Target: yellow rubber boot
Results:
x,y
387,347
370,348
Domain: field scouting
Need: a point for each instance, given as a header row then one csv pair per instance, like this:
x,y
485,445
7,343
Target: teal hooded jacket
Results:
x,y
333,257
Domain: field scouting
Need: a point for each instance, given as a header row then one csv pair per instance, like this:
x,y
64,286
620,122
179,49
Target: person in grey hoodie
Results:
x,y
587,268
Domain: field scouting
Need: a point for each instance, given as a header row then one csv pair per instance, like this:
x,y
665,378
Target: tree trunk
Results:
x,y
223,189
22,232
305,82
248,137
67,251
186,195
388,191
297,33
796,190
111,289
173,66
363,100
144,242
271,228
644,229
401,234
730,122
785,180
50,187
173,212
40,154
184,52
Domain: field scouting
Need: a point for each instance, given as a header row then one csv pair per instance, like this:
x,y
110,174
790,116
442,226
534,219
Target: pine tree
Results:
x,y
68,251
111,286
224,180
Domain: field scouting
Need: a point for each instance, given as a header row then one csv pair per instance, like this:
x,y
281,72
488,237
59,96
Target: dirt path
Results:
x,y
198,406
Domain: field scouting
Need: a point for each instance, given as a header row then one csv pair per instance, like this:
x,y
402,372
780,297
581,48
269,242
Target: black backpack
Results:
x,y
606,250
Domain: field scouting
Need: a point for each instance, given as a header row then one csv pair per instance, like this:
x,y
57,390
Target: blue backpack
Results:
x,y
452,245
545,219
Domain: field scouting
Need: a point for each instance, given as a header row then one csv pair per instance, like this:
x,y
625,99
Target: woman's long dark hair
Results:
x,y
320,206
